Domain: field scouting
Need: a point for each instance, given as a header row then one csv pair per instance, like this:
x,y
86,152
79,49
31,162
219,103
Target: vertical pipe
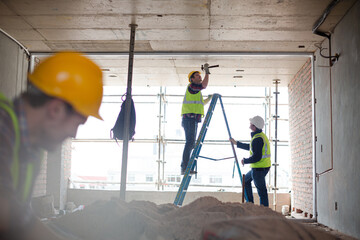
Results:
x,y
159,141
276,82
314,137
267,126
265,110
269,130
127,114
243,189
163,166
163,142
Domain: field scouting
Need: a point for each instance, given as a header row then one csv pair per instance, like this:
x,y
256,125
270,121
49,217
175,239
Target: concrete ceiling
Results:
x,y
271,38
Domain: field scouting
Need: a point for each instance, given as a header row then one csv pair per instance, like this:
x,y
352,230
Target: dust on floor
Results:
x,y
206,218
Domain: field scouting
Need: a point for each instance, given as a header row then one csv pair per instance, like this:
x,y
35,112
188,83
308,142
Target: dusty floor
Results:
x,y
206,218
326,229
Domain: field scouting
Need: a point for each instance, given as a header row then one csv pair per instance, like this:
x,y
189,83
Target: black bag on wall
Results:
x,y
118,129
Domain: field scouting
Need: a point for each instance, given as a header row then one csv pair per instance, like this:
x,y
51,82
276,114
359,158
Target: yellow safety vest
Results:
x,y
265,160
15,167
192,103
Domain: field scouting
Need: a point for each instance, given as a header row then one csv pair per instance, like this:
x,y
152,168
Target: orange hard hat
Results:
x,y
72,77
191,73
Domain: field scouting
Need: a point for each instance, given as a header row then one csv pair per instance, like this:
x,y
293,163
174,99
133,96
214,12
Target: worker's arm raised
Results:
x,y
206,78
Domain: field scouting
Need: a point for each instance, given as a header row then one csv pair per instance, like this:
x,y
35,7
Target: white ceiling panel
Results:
x,y
288,23
13,22
25,34
78,34
118,21
268,7
207,30
63,7
37,45
262,35
234,46
4,10
168,34
96,45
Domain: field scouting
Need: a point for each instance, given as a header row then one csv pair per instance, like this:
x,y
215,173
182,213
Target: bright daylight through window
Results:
x,y
154,161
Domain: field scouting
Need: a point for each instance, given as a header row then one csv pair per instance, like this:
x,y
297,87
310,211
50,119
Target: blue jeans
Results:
x,y
258,175
190,127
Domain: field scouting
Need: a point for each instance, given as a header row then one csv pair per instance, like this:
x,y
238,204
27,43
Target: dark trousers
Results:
x,y
258,175
190,126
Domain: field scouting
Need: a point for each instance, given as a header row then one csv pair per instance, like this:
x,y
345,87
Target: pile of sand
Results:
x,y
206,218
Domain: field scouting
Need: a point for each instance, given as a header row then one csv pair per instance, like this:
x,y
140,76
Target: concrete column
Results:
x,y
13,67
58,173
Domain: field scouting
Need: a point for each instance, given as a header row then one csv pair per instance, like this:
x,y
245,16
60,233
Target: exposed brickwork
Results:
x,y
41,180
40,184
66,157
300,130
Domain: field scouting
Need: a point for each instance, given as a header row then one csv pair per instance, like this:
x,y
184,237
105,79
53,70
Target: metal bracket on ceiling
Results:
x,y
332,59
315,30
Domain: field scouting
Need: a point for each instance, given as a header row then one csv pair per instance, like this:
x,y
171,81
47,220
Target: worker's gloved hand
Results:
x,y
206,68
210,96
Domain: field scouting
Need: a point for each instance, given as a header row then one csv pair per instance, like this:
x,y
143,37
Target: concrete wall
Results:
x,y
86,197
13,67
337,92
14,64
301,140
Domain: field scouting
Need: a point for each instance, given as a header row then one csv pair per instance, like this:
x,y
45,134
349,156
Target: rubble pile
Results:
x,y
205,218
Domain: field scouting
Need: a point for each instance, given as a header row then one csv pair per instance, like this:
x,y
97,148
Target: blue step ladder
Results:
x,y
195,153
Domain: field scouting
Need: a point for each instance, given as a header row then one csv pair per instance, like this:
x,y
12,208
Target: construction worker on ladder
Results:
x,y
192,111
65,89
259,160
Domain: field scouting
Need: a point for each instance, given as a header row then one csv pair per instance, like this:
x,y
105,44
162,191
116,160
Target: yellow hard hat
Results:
x,y
191,73
72,77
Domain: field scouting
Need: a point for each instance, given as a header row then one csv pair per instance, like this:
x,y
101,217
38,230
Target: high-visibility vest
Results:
x,y
26,185
265,160
192,103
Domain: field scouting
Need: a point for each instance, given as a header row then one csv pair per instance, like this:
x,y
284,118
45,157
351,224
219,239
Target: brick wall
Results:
x,y
300,130
66,157
40,183
41,180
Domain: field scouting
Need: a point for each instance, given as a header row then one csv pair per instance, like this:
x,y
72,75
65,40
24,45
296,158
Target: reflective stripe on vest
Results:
x,y
193,103
265,160
15,168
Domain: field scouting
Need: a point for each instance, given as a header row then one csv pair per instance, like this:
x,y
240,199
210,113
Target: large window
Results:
x,y
154,157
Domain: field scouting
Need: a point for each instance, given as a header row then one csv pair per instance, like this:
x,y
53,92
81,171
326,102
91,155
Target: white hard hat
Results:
x,y
257,121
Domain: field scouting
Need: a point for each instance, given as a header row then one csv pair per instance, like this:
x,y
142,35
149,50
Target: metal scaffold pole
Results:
x,y
275,164
268,127
160,139
163,142
127,114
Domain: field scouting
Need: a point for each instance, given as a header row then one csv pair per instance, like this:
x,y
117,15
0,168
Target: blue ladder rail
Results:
x,y
195,153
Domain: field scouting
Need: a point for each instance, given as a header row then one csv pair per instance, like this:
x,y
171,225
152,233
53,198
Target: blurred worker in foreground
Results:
x,y
192,111
65,89
259,160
